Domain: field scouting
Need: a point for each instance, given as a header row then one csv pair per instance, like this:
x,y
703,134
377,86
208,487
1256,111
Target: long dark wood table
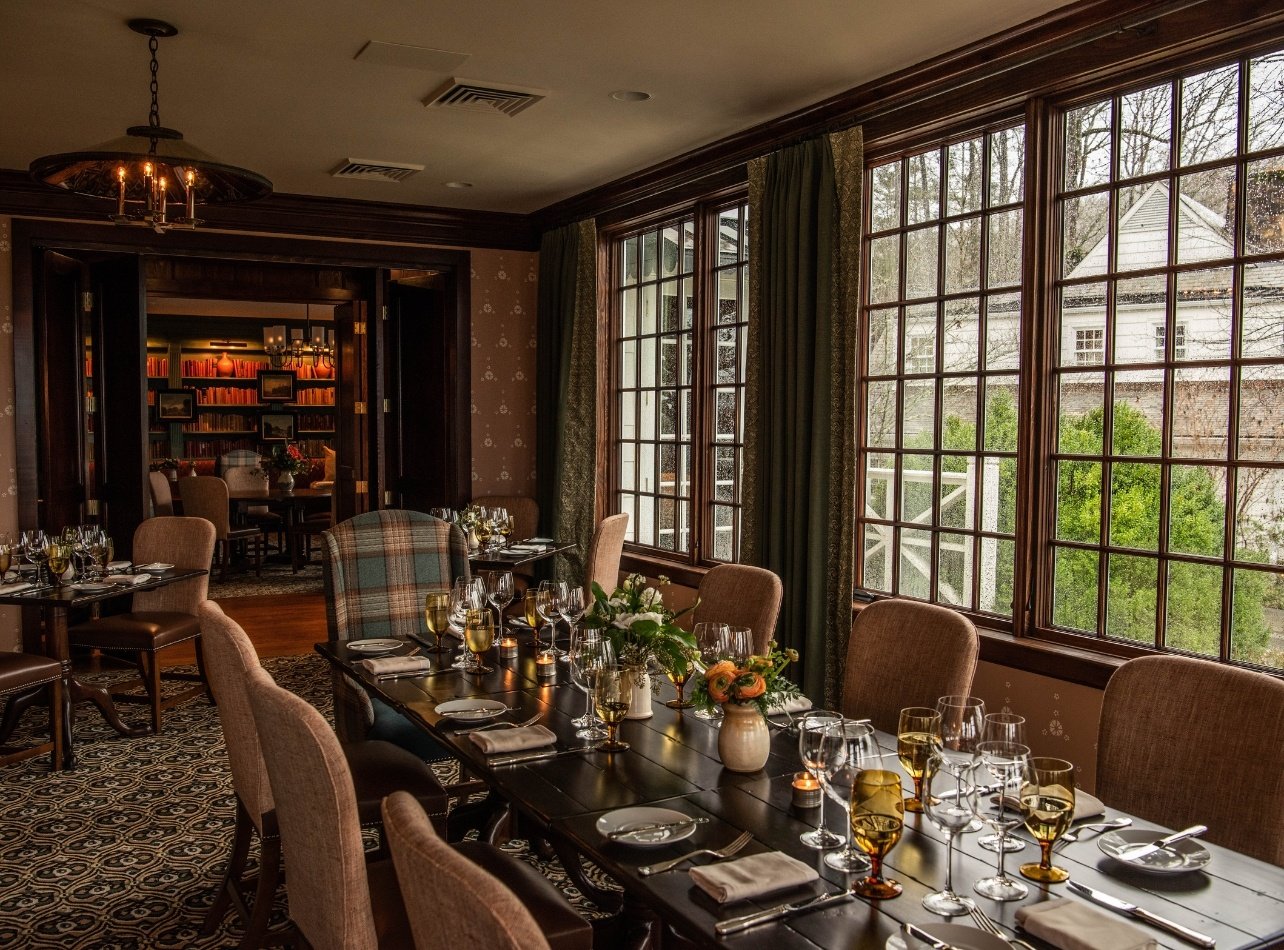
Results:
x,y
673,762
494,561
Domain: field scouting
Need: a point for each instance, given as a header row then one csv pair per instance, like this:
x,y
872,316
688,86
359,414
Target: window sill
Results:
x,y
688,575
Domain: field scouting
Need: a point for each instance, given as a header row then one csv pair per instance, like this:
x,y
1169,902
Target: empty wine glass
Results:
x,y
739,645
812,749
590,652
850,750
962,726
1007,728
572,606
950,801
1008,763
500,592
546,608
710,640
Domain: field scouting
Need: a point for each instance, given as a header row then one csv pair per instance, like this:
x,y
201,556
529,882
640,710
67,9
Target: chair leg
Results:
x,y
269,879
55,724
223,553
200,669
258,555
13,712
230,886
155,677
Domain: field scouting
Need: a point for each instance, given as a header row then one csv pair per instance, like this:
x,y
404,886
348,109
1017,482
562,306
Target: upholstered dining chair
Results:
x,y
162,618
523,509
21,675
1185,741
603,564
906,653
206,496
378,768
509,905
252,480
162,494
741,596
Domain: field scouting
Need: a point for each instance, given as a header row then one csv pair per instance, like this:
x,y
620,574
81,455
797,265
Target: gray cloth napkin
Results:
x,y
753,876
16,588
128,580
513,740
383,665
1069,925
797,704
1087,806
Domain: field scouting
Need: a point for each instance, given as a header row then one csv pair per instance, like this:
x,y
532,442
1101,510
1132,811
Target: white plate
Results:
x,y
624,818
155,568
1188,855
92,587
540,541
119,565
471,710
377,645
956,935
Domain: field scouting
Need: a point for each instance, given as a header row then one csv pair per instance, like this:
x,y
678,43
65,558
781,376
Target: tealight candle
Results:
x,y
507,648
806,790
546,666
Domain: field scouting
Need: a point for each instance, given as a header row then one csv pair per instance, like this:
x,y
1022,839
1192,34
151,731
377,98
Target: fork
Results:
x,y
983,920
499,725
728,851
1097,826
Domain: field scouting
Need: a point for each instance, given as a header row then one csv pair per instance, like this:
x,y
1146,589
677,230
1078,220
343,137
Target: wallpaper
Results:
x,y
10,617
503,367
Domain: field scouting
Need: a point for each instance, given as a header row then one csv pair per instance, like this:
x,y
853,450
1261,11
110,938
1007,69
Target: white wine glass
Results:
x,y
918,734
710,640
950,796
850,750
1008,763
1008,728
437,614
812,749
479,636
500,591
1047,801
590,652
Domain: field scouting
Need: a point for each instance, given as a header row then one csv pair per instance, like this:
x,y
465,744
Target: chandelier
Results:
x,y
314,344
151,171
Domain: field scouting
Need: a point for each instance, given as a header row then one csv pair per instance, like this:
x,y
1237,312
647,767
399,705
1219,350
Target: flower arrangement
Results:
x,y
285,458
640,627
758,681
470,517
165,465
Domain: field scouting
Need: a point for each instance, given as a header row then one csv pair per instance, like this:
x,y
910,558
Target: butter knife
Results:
x,y
1140,913
734,925
654,826
918,933
1136,852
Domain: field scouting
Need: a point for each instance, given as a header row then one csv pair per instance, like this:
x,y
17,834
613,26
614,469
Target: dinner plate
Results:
x,y
471,710
90,587
540,541
376,645
1188,855
155,568
624,818
956,935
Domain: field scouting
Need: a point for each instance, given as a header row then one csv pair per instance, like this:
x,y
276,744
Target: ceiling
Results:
x,y
274,86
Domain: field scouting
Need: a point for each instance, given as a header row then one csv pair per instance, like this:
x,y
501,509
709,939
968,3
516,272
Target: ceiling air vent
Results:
x,y
484,97
367,170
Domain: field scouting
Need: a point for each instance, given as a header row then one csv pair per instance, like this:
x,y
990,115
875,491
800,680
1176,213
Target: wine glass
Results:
x,y
849,750
612,691
98,552
571,603
6,557
58,554
678,676
812,749
479,636
1047,801
1007,762
962,725
1008,728
710,638
500,591
950,801
507,525
546,608
739,645
464,596
590,652
437,614
877,819
917,737
530,610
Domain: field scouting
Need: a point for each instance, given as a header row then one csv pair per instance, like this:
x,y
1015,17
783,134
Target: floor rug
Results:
x,y
276,579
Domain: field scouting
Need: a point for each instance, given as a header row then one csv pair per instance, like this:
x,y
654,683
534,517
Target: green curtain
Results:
x,y
800,423
566,386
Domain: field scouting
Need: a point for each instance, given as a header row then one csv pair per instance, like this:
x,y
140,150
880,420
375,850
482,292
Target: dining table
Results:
x,y
673,763
292,505
517,558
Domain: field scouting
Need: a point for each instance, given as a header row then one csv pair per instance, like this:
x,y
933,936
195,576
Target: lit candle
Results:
x,y
806,790
546,666
162,195
148,188
120,197
507,648
191,197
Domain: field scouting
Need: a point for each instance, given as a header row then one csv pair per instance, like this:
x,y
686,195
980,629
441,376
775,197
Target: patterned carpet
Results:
x,y
126,851
276,579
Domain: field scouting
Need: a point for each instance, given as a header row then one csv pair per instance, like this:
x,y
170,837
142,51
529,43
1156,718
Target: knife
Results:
x,y
519,757
918,933
1132,910
1136,852
654,826
734,925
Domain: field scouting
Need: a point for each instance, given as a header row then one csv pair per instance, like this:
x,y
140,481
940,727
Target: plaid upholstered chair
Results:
x,y
741,596
378,566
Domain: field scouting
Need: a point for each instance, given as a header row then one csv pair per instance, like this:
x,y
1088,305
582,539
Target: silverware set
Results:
x,y
1098,826
719,854
499,725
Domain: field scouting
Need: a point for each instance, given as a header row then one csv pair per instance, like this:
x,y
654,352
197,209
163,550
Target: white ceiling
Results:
x,y
272,85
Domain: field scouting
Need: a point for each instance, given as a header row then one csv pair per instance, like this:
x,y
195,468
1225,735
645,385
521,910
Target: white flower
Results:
x,y
634,581
651,597
626,621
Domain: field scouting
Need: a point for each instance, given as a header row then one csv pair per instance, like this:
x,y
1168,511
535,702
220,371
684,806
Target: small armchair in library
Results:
x,y
206,496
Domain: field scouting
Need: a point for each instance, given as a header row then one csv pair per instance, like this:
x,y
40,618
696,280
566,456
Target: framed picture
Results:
x,y
276,427
176,405
276,385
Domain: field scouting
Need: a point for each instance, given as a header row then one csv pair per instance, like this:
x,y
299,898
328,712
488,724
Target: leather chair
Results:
x,y
21,675
509,905
162,495
206,496
741,596
378,768
161,618
603,564
906,653
1185,741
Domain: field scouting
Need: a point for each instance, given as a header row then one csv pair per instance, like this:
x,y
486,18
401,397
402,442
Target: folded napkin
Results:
x,y
154,566
118,565
1087,806
1069,925
796,704
16,588
383,665
527,548
513,740
128,580
754,876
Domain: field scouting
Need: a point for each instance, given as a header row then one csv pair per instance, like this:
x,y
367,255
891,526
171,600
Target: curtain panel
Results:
x,y
800,404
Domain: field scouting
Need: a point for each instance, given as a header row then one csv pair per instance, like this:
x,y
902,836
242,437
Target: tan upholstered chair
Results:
x,y
161,618
252,480
906,653
206,496
603,564
741,596
24,676
377,769
162,495
1186,741
523,509
509,905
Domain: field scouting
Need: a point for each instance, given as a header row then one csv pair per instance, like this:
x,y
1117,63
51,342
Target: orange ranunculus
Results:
x,y
759,664
750,686
722,666
719,684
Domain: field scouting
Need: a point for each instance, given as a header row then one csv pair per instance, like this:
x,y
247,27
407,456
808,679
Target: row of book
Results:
x,y
314,397
221,422
208,366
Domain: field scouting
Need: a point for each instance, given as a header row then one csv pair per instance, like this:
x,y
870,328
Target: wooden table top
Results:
x,y
68,596
506,562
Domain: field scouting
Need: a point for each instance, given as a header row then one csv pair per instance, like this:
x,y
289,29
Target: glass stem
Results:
x,y
875,867
588,708
918,789
850,847
1003,851
1045,854
949,864
821,830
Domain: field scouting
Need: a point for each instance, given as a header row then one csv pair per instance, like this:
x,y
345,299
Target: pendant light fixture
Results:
x,y
151,171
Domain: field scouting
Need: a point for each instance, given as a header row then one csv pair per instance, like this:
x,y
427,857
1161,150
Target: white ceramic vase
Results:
x,y
640,701
744,741
285,481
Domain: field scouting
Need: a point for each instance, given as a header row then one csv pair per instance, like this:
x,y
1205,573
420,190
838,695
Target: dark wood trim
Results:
x,y
1047,659
299,215
688,575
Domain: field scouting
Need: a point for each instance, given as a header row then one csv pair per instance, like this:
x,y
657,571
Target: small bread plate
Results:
x,y
956,935
155,568
117,566
375,646
622,819
92,587
1188,855
471,710
539,541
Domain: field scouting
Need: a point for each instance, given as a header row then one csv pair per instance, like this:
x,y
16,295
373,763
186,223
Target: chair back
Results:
x,y
379,565
490,916
187,543
246,480
162,497
1185,741
741,596
603,564
230,660
524,510
906,653
205,496
238,458
316,812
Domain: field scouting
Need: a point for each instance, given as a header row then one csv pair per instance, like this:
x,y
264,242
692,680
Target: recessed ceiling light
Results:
x,y
459,184
630,95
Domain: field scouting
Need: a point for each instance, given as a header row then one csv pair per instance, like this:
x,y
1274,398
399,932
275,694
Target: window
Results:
x,y
1090,347
679,318
1179,341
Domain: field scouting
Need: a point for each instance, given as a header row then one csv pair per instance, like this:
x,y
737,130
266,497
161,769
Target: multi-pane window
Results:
x,y
1089,347
679,317
942,333
1179,341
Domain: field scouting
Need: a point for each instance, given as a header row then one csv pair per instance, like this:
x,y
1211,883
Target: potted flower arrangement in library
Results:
x,y
642,631
169,466
745,694
285,462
